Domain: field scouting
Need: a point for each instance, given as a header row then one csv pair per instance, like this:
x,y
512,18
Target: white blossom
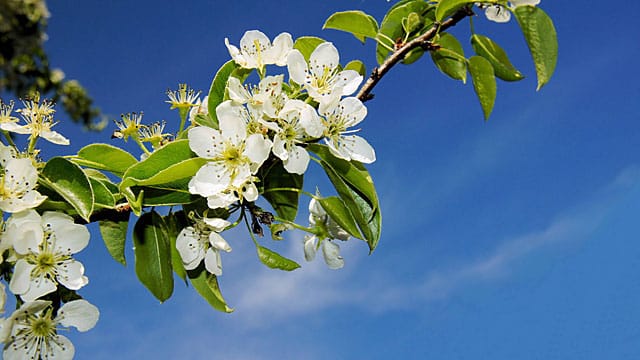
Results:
x,y
322,76
347,113
202,241
256,50
18,180
267,97
298,122
233,155
200,108
501,14
39,121
329,230
44,245
32,332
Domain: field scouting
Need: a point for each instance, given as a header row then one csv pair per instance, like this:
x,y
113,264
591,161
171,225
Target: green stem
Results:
x,y
9,139
297,226
246,221
183,119
32,144
144,148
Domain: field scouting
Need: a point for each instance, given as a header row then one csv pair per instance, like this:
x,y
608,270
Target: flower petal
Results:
x,y
257,149
71,275
213,262
206,142
497,13
21,279
237,92
70,237
38,287
78,313
310,247
325,56
211,179
297,67
219,242
54,137
331,253
348,81
232,120
282,45
357,148
189,246
217,224
297,161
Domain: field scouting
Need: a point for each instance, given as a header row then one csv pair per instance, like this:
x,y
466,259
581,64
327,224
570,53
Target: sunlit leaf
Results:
x,y
488,49
71,183
542,40
105,157
274,260
306,45
484,83
339,212
450,57
356,22
206,285
114,235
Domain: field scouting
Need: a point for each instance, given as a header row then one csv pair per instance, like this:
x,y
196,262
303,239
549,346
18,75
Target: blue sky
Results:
x,y
511,239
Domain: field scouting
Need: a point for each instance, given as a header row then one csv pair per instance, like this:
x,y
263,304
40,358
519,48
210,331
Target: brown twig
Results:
x,y
423,41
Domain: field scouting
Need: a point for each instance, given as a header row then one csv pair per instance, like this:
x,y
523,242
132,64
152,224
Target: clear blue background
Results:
x,y
511,239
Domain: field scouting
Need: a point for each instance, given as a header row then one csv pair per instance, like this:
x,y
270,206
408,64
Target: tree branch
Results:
x,y
423,41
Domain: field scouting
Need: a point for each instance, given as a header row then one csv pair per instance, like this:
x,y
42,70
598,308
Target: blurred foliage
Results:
x,y
24,65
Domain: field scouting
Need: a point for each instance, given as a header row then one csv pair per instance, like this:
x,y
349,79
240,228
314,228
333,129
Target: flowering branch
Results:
x,y
423,41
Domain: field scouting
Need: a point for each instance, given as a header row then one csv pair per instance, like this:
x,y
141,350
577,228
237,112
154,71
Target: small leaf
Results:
x,y
68,180
484,83
152,250
542,40
206,285
306,45
392,28
356,22
175,223
412,56
338,211
217,90
114,235
356,65
450,57
274,260
488,49
164,165
448,7
105,157
102,196
284,202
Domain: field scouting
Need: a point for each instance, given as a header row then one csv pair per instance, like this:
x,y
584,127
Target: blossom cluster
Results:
x,y
273,119
38,247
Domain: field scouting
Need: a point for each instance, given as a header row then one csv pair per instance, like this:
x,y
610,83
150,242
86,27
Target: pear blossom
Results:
x,y
299,121
7,121
184,97
18,180
267,97
32,331
501,14
44,245
233,154
328,230
128,126
256,50
201,108
202,241
39,121
348,112
247,191
322,76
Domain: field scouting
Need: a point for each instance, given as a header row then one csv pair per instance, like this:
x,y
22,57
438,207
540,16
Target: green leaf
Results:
x,y
306,45
448,7
450,57
102,196
412,56
542,40
392,24
153,196
274,260
284,202
356,65
356,22
338,211
355,187
114,235
217,91
152,250
484,83
170,163
105,157
206,285
488,49
175,223
68,180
